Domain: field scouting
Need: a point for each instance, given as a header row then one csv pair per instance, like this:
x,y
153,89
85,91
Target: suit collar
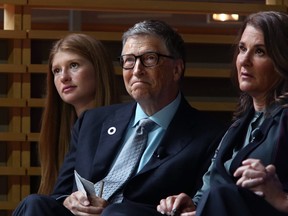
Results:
x,y
236,134
242,154
261,135
233,137
109,142
175,139
162,117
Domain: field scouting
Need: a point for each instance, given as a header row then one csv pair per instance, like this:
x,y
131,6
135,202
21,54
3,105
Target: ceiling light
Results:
x,y
225,17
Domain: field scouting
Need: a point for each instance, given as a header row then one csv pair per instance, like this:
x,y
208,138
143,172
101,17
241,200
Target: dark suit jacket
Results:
x,y
270,146
186,153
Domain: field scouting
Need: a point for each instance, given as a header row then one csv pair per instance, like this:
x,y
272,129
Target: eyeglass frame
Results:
x,y
120,58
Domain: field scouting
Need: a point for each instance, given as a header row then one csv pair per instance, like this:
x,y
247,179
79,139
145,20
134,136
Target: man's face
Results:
x,y
158,84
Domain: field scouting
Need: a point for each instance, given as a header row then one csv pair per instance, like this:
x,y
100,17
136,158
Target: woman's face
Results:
x,y
256,74
74,78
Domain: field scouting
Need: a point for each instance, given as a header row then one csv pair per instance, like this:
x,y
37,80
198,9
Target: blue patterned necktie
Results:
x,y
126,162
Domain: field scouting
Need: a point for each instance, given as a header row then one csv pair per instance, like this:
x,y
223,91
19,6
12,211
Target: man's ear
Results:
x,y
178,69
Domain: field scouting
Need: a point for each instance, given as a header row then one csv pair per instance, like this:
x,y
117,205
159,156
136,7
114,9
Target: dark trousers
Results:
x,y
228,200
41,205
130,209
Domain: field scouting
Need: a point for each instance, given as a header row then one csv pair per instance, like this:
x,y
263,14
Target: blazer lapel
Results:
x,y
263,131
112,133
233,137
171,146
175,139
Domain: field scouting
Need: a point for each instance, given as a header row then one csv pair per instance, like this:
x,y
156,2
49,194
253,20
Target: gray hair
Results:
x,y
172,40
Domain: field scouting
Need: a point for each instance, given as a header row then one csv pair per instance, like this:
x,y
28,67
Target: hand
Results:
x,y
252,174
182,204
80,205
263,181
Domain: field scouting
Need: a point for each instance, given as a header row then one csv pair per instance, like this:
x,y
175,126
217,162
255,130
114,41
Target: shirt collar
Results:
x,y
163,117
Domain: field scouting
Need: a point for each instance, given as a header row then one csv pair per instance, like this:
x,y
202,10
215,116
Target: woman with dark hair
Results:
x,y
249,172
80,77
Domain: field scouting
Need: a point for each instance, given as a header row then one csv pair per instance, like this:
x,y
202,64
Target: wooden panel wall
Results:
x,y
25,41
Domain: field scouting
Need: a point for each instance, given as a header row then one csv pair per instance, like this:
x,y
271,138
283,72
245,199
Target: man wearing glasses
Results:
x,y
177,152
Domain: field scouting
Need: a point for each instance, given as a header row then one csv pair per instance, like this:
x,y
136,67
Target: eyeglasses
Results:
x,y
148,59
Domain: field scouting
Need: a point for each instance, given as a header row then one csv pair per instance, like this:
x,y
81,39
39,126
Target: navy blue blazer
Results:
x,y
270,146
187,148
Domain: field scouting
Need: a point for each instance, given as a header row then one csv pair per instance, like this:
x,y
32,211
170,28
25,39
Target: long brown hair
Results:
x,y
274,26
58,116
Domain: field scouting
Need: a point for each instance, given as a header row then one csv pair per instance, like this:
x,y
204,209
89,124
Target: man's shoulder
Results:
x,y
98,115
103,110
194,114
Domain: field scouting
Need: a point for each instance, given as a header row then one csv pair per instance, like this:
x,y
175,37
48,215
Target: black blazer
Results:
x,y
187,148
270,146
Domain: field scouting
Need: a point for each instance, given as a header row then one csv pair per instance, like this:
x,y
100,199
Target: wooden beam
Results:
x,y
149,6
